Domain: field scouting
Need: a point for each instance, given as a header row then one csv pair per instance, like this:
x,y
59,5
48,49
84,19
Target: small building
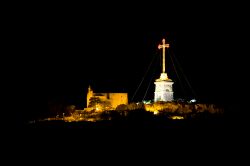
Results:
x,y
114,99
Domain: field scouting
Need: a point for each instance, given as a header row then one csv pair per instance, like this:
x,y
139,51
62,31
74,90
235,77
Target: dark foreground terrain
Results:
x,y
118,141
211,124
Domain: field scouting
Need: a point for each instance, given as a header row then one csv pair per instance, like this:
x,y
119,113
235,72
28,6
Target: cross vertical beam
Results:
x,y
163,46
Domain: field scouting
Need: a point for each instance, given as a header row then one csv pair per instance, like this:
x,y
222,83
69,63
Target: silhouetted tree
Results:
x,y
69,109
105,105
122,107
93,101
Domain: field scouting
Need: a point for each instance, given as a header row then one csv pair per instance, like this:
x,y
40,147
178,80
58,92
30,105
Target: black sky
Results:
x,y
111,48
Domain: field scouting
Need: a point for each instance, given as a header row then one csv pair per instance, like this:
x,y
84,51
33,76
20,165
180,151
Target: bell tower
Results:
x,y
89,95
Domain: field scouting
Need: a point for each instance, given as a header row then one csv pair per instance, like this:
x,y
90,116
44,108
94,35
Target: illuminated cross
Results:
x,y
163,46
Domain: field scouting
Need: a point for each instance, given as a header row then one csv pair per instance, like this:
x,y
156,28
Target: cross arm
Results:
x,y
161,46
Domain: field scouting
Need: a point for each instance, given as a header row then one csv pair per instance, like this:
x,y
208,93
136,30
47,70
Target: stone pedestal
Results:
x,y
164,89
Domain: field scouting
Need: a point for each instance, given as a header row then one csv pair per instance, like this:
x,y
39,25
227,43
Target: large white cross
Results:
x,y
163,46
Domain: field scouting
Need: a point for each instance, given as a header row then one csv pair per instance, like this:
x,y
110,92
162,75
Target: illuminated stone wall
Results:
x,y
118,98
115,99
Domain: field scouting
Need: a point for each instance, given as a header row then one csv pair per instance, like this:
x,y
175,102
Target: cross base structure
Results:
x,y
163,85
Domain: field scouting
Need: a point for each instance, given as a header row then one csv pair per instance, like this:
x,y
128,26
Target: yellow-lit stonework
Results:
x,y
114,99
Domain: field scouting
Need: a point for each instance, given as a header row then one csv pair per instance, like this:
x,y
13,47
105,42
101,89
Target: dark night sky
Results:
x,y
111,50
116,53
